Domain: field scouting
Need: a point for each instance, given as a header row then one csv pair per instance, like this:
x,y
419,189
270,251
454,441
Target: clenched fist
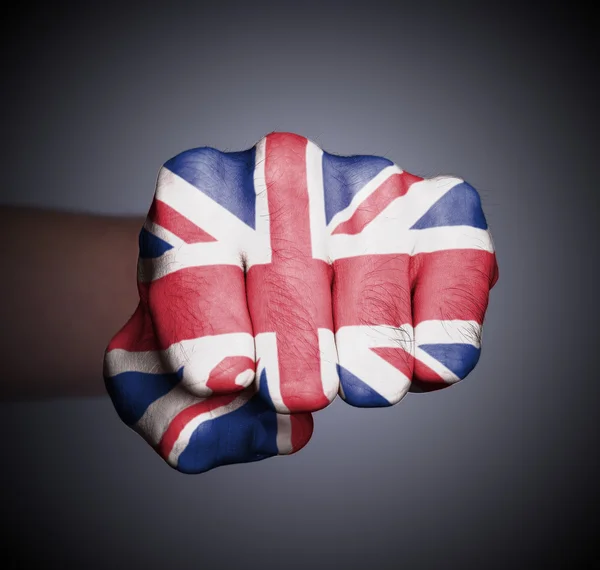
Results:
x,y
274,278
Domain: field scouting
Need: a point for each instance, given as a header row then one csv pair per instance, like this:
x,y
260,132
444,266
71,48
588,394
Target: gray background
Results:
x,y
499,470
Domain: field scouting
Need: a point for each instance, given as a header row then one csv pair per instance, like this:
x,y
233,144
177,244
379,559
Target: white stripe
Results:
x,y
445,332
192,425
188,255
316,201
284,434
362,195
119,360
266,351
452,237
383,336
258,251
329,359
385,238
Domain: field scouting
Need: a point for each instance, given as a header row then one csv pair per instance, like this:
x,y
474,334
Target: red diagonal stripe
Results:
x,y
420,374
165,216
170,436
394,187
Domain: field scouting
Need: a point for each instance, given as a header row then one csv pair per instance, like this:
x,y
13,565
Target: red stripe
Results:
x,y
394,187
170,219
395,289
371,290
170,436
452,284
285,173
198,301
291,295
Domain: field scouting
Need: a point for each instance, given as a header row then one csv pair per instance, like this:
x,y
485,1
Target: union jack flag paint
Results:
x,y
274,278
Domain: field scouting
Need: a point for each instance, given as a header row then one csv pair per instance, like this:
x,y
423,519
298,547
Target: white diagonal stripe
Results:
x,y
354,344
160,413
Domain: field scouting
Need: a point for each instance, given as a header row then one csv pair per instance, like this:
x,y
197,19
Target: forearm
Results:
x,y
68,284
